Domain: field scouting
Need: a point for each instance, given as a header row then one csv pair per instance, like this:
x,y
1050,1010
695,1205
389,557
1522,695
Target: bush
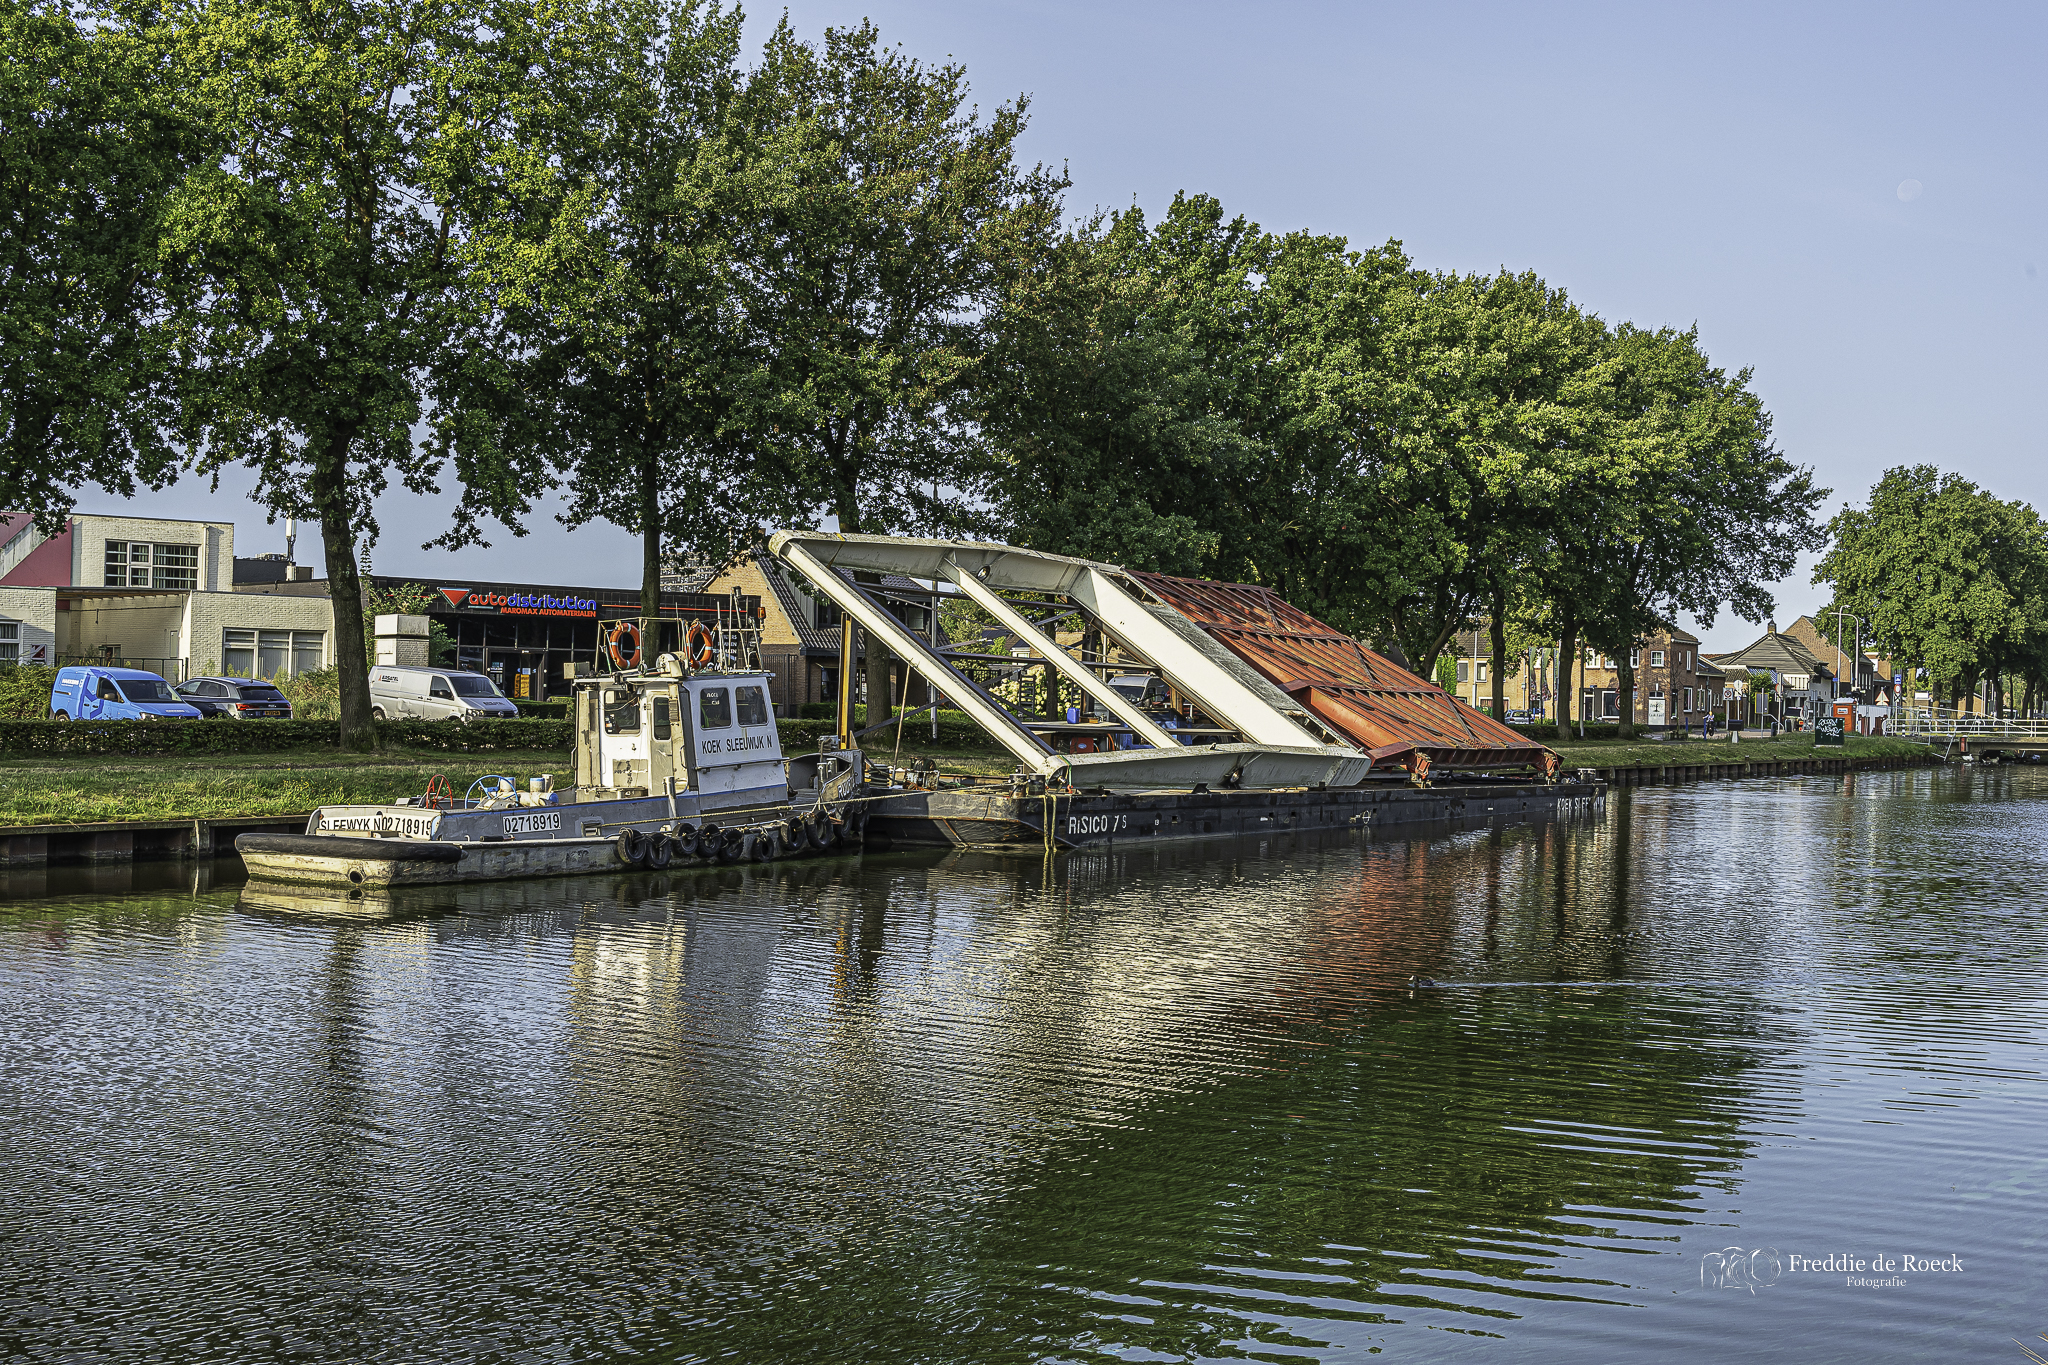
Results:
x,y
548,710
23,738
25,691
956,731
314,695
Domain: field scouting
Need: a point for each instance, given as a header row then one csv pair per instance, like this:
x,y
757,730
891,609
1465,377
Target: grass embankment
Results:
x,y
1625,753
40,791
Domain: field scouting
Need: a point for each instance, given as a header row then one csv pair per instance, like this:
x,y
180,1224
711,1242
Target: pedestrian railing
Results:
x,y
1927,723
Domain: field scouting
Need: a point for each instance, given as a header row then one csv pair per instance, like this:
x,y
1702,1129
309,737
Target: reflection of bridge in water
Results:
x,y
1987,738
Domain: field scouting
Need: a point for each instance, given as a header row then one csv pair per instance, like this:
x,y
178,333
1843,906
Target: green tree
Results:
x,y
1949,577
328,285
654,373
896,218
1698,509
90,157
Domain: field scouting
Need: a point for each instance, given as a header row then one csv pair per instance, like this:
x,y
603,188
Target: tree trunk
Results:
x,y
1567,659
1625,683
650,541
329,490
1500,655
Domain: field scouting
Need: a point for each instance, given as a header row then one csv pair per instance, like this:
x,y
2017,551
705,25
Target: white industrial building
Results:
x,y
153,593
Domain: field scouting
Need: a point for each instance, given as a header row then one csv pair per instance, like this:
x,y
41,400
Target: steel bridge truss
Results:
x,y
1279,743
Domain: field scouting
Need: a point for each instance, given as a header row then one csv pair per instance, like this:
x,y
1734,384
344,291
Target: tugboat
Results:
x,y
673,766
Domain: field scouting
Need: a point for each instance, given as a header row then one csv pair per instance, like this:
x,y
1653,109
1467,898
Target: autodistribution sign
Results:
x,y
519,603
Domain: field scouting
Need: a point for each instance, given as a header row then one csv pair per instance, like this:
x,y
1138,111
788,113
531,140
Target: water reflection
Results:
x,y
1178,1103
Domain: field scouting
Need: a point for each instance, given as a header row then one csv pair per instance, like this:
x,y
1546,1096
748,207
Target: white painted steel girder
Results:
x,y
1282,751
1000,724
1182,656
1083,677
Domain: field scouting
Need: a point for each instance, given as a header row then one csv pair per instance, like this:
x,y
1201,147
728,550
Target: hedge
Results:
x,y
79,738
801,736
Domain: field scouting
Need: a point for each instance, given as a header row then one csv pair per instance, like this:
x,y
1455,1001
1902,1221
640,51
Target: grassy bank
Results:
x,y
1623,753
45,792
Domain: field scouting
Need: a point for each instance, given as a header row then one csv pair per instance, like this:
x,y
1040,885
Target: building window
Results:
x,y
1464,671
1635,658
144,564
1688,699
272,653
1482,670
10,642
1656,658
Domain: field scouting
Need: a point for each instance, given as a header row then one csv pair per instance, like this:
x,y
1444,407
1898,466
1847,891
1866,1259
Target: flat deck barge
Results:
x,y
989,817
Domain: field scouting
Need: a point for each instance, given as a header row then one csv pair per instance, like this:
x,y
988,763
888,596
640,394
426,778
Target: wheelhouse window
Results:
x,y
752,704
146,564
621,713
714,709
661,718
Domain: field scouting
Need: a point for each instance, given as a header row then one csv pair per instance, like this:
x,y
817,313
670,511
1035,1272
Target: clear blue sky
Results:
x,y
1742,168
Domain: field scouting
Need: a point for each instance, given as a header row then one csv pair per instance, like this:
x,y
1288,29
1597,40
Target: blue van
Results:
x,y
87,693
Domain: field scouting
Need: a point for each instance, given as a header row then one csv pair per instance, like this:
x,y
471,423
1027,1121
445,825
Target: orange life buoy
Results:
x,y
624,644
700,644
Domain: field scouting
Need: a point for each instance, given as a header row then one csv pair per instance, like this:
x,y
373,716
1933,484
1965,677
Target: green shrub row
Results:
x,y
83,738
25,691
955,732
546,710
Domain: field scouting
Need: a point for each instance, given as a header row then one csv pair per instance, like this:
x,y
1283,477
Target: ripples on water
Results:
x,y
1176,1105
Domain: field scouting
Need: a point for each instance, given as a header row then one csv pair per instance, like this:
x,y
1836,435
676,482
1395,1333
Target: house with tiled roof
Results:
x,y
1802,685
1858,672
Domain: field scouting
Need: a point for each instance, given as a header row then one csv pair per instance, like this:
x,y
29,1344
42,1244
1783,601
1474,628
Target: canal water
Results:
x,y
1162,1106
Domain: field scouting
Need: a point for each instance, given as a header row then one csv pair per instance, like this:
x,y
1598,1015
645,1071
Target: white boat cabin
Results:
x,y
711,734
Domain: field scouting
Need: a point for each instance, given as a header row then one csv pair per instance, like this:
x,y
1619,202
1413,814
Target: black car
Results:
x,y
239,698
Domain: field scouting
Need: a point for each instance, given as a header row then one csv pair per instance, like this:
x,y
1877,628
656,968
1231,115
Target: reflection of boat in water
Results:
x,y
389,903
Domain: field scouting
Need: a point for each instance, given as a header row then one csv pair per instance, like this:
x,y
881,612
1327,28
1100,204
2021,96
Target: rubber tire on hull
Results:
x,y
632,847
684,841
659,852
822,832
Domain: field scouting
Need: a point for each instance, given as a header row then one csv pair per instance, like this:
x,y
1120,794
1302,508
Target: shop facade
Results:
x,y
520,635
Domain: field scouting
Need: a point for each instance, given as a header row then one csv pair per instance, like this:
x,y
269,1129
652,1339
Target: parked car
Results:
x,y
235,698
1521,718
88,692
404,693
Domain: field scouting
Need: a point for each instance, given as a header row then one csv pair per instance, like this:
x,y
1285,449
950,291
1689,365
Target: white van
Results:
x,y
400,693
